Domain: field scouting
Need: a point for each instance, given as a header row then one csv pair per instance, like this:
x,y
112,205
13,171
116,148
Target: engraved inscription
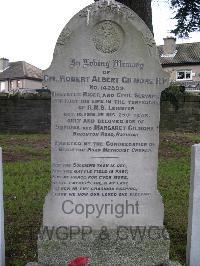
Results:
x,y
106,117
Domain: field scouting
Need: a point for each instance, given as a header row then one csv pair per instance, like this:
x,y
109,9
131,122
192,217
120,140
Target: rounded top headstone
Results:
x,y
106,27
105,81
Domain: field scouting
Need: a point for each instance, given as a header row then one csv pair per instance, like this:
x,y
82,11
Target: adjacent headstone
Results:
x,y
105,81
2,240
193,240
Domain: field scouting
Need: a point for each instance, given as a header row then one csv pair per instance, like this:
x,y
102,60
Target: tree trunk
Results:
x,y
142,8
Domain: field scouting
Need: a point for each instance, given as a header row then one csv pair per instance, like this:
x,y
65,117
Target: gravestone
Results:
x,y
193,239
2,240
105,81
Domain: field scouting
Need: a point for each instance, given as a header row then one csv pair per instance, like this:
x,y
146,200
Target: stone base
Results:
x,y
125,246
171,263
174,263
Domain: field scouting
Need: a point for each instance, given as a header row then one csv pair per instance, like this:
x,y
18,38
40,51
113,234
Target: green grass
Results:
x,y
27,180
173,184
194,137
25,186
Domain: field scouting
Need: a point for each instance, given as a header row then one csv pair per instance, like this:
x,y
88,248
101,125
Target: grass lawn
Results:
x,y
27,179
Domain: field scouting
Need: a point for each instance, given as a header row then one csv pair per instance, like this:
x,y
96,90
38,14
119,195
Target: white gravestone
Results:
x,y
2,240
193,241
105,81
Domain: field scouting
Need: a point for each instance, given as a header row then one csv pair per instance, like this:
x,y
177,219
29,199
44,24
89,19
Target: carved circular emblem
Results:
x,y
107,36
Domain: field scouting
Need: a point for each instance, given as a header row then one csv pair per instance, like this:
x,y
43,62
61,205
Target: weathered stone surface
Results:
x,y
124,247
171,263
31,114
174,263
106,86
184,115
193,240
106,81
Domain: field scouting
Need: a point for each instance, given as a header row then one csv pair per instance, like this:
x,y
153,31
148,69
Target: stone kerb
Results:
x,y
193,237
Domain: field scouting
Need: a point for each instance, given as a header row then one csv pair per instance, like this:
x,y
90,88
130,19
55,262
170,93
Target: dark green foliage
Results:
x,y
173,93
187,15
174,89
